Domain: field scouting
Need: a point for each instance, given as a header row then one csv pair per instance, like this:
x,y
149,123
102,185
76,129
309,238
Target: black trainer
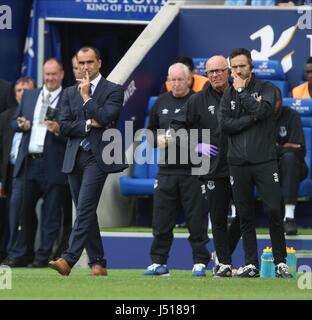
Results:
x,y
281,271
290,227
249,271
223,270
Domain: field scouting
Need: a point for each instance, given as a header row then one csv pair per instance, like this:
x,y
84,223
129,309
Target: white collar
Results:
x,y
95,82
54,93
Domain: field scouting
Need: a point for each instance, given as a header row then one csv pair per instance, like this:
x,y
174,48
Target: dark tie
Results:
x,y
85,143
248,3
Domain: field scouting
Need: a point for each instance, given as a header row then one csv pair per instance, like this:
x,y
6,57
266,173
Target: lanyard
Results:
x,y
51,102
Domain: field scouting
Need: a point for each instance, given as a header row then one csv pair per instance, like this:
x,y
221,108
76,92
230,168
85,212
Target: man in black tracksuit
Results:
x,y
202,111
291,151
175,186
247,117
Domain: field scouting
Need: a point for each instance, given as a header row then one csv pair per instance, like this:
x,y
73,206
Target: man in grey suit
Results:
x,y
86,111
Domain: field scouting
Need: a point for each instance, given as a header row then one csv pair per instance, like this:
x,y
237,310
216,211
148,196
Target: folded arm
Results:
x,y
68,126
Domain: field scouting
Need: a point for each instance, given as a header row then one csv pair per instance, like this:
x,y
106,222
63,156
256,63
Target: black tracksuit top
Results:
x,y
166,106
289,129
249,123
202,111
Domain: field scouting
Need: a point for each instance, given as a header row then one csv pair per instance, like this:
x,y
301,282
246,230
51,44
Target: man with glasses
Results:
x,y
202,111
304,91
247,109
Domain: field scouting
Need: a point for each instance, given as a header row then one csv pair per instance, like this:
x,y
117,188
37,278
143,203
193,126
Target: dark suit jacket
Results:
x,y
7,98
6,137
54,146
104,107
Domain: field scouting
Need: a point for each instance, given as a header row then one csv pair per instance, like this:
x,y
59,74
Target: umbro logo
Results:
x,y
211,109
203,189
164,111
275,177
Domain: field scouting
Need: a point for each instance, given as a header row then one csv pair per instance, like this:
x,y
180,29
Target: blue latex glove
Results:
x,y
206,149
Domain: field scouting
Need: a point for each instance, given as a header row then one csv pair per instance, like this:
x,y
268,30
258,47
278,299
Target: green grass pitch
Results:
x,y
44,284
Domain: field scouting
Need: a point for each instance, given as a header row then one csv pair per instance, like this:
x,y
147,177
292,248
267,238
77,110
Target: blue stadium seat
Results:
x,y
200,65
305,189
303,107
150,104
272,71
141,181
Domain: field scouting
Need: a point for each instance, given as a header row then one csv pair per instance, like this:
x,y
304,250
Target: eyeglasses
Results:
x,y
215,71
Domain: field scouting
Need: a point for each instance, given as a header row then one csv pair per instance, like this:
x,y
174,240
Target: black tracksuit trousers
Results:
x,y
265,177
171,192
292,171
219,195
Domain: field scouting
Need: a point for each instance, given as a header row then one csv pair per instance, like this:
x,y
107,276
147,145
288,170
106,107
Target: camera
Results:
x,y
51,114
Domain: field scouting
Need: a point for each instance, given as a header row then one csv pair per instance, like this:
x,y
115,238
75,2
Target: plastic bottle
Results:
x,y
292,261
267,269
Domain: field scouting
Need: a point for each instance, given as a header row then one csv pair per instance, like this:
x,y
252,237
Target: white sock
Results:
x,y
289,211
233,211
209,222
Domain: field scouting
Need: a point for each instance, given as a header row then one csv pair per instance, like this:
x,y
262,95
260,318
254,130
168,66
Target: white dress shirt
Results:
x,y
17,138
39,130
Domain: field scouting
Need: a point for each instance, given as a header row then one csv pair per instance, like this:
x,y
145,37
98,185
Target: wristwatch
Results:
x,y
240,90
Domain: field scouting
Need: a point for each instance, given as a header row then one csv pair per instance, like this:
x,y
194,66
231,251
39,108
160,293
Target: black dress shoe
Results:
x,y
2,259
39,264
15,263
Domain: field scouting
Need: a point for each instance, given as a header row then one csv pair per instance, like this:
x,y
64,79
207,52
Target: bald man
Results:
x,y
175,186
202,111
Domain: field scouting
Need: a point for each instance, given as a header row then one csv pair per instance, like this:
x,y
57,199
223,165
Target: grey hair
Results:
x,y
186,70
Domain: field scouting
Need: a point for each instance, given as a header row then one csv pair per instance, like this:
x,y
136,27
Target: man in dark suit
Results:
x,y
37,170
6,95
87,110
6,102
9,142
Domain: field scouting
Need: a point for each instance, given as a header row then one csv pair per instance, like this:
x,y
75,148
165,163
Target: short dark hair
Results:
x,y
309,60
58,61
25,79
185,60
244,52
87,48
